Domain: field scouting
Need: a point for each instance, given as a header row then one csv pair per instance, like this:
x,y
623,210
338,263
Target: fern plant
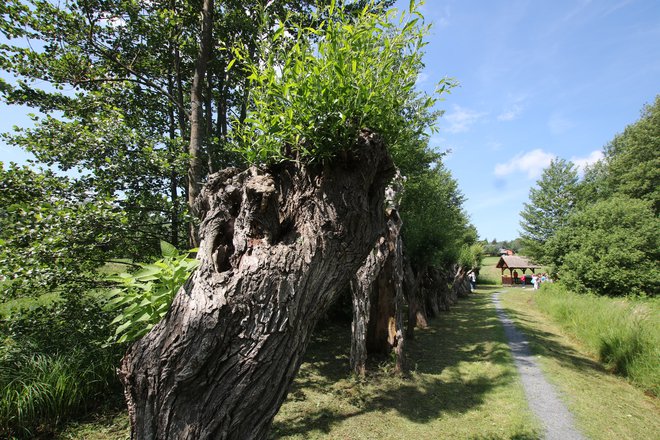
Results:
x,y
143,298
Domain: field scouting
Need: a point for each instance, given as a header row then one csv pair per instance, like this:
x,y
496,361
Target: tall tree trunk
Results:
x,y
276,249
380,330
197,122
174,176
430,292
441,288
399,300
208,113
361,296
385,331
221,115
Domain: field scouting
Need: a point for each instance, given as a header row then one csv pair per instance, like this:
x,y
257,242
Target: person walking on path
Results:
x,y
541,396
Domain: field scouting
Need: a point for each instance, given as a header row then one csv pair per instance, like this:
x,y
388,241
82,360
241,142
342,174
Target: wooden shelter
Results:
x,y
514,263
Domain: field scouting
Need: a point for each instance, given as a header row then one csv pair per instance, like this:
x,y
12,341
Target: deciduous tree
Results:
x,y
550,203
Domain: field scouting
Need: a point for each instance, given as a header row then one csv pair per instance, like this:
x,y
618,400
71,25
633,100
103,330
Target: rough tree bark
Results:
x,y
276,248
441,288
461,285
417,316
378,295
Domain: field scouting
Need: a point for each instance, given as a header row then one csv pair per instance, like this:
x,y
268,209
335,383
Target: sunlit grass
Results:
x,y
39,391
606,406
488,273
463,385
623,333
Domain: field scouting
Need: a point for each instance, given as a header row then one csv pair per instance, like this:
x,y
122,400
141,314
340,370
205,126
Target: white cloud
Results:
x,y
511,113
583,162
531,163
460,119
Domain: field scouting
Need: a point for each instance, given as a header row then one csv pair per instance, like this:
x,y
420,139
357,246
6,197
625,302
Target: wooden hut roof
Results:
x,y
515,262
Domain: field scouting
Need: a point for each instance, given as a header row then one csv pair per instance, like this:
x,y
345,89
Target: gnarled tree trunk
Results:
x,y
276,248
417,316
441,286
461,284
378,295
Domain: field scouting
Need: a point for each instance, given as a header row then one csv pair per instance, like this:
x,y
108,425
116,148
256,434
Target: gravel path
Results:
x,y
541,396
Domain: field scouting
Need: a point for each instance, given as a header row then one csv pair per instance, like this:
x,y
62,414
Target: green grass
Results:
x,y
606,406
488,273
463,385
623,333
14,305
39,391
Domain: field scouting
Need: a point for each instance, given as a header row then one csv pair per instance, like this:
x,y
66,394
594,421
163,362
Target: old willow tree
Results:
x,y
279,240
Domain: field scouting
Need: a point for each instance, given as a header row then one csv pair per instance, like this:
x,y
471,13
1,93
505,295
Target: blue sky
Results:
x,y
539,79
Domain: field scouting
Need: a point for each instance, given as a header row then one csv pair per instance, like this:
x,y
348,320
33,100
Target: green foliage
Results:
x,y
433,220
52,232
311,95
70,322
549,205
633,158
38,391
623,333
53,362
144,297
609,248
471,256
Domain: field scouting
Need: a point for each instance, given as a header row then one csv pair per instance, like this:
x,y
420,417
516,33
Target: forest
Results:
x,y
215,180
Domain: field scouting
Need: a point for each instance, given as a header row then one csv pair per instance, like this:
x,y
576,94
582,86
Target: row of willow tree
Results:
x,y
601,234
283,139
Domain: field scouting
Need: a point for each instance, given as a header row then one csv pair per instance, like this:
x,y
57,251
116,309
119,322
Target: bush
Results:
x,y
609,248
623,333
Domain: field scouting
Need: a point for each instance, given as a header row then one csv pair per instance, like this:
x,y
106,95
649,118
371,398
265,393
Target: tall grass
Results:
x,y
39,391
623,333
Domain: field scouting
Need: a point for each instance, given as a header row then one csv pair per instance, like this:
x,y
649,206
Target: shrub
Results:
x,y
53,363
609,248
623,333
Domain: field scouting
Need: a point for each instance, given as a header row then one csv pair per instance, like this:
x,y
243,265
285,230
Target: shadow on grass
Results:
x,y
441,379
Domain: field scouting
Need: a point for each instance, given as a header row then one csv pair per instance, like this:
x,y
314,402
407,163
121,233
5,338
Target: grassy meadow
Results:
x,y
488,273
606,406
622,333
